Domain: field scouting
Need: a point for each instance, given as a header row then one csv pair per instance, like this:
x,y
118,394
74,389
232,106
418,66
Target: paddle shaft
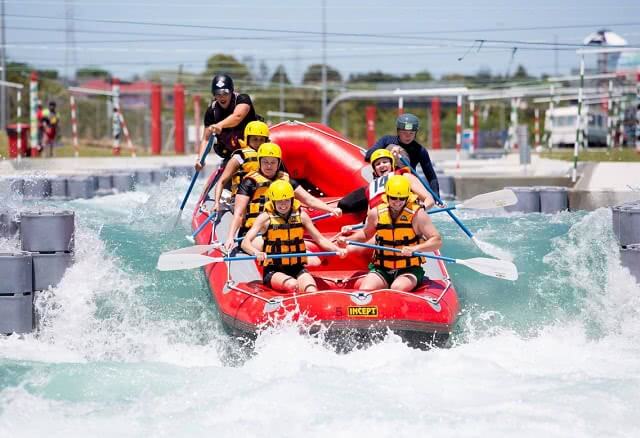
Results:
x,y
195,175
384,248
313,219
280,256
432,211
437,198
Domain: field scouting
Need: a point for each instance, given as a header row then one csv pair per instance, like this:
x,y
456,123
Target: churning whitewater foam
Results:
x,y
125,350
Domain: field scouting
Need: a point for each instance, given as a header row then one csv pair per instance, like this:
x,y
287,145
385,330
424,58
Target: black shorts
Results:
x,y
291,270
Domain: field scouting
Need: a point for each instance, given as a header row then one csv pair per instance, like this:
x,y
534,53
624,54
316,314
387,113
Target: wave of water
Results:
x,y
126,350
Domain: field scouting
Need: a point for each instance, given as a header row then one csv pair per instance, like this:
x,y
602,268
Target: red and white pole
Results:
x,y
18,124
74,125
125,131
435,123
370,115
458,130
472,124
400,105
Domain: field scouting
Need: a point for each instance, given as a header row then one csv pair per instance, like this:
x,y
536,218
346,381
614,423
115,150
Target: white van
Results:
x,y
563,123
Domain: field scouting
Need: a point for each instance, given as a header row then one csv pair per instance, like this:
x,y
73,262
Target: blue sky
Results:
x,y
395,37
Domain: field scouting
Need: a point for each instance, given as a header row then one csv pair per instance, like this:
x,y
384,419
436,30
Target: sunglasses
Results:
x,y
396,198
222,92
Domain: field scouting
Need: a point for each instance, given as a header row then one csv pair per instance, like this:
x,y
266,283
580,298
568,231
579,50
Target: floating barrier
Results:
x,y
144,177
528,200
447,186
81,187
553,199
630,258
49,268
178,171
11,186
160,175
8,223
626,223
47,231
59,188
105,183
36,188
16,288
124,181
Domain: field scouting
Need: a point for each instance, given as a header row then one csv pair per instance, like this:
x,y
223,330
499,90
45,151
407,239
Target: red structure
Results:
x,y
156,119
371,125
435,123
178,118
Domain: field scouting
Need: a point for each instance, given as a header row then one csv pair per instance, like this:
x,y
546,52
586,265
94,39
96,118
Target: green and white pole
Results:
x,y
578,142
610,116
549,120
33,109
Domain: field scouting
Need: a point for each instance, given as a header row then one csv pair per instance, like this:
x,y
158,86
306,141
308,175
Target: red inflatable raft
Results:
x,y
329,166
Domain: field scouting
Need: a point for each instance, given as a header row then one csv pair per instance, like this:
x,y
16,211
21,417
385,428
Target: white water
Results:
x,y
127,351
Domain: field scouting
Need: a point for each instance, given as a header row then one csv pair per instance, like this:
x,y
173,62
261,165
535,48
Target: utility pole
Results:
x,y
324,59
3,76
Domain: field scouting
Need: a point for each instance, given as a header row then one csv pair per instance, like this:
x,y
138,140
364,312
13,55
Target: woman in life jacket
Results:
x,y
398,222
383,165
243,161
251,195
282,225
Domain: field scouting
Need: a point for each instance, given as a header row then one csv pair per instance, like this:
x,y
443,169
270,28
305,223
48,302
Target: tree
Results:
x,y
422,76
374,76
313,75
92,72
521,73
221,63
280,72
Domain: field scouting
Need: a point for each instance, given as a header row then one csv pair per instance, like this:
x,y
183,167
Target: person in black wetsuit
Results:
x,y
227,116
407,126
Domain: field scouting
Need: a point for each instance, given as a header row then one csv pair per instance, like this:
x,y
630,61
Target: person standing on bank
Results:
x,y
407,126
227,116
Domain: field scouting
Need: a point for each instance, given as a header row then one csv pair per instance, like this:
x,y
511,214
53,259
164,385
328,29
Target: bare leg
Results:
x,y
372,282
405,283
306,283
283,282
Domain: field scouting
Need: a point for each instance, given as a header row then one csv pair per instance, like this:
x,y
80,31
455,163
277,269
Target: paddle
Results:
x,y
173,261
485,247
492,267
212,140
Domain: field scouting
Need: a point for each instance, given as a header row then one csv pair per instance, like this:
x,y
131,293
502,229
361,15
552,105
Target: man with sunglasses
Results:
x,y
227,117
399,223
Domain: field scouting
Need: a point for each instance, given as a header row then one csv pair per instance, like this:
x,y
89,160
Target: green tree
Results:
x,y
221,63
280,73
313,75
92,72
422,76
374,76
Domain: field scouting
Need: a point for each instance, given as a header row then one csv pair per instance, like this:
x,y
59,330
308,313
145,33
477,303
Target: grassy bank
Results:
x,y
594,155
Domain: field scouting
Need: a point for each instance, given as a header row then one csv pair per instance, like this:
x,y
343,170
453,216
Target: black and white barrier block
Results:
x,y
124,181
81,187
49,268
553,199
59,187
630,258
47,231
180,171
626,223
11,187
36,187
144,177
528,200
105,183
16,289
160,175
447,186
8,223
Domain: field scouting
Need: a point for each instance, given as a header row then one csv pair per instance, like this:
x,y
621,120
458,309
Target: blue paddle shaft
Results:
x,y
437,198
195,175
384,248
281,256
211,218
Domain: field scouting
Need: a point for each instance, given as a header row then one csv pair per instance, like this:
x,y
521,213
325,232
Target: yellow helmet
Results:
x,y
383,153
280,190
269,150
256,128
398,186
